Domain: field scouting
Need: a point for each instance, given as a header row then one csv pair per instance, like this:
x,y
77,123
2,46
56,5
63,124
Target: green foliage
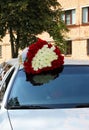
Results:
x,y
24,19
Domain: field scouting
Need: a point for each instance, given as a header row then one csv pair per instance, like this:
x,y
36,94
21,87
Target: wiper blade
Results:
x,y
28,107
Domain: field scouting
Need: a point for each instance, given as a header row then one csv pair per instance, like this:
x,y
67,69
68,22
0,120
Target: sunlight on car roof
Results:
x,y
76,62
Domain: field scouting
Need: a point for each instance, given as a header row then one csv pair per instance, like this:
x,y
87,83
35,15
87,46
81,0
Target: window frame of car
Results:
x,y
9,86
5,81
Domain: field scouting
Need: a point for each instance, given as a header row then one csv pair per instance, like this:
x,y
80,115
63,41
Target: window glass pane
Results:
x,y
85,15
63,17
68,48
73,16
68,17
87,46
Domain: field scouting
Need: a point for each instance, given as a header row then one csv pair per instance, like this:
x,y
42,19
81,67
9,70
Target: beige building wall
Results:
x,y
5,49
78,33
79,52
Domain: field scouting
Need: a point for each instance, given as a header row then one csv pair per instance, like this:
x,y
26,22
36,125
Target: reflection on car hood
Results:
x,y
50,119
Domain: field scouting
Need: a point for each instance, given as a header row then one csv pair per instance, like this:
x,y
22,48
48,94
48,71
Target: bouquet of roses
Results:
x,y
42,57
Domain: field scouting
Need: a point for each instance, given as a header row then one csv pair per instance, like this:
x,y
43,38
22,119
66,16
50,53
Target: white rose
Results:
x,y
44,57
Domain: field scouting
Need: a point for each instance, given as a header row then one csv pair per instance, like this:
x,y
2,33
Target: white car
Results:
x,y
53,101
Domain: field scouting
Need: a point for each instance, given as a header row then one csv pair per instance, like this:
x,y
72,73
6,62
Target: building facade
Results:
x,y
76,17
5,49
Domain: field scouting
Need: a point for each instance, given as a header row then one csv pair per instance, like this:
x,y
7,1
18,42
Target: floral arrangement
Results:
x,y
41,57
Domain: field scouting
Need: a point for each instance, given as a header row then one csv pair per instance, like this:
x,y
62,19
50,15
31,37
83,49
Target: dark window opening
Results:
x,y
68,48
87,46
0,51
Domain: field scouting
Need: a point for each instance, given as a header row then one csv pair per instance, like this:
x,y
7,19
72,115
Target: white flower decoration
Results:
x,y
44,57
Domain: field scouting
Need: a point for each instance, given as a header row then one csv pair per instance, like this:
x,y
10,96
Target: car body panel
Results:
x,y
51,119
4,120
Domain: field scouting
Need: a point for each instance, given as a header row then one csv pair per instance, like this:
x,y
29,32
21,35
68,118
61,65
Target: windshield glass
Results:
x,y
68,89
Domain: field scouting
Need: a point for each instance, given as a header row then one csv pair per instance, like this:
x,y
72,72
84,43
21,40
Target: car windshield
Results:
x,y
68,89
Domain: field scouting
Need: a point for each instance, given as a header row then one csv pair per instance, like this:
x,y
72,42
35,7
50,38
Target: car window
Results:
x,y
68,89
5,81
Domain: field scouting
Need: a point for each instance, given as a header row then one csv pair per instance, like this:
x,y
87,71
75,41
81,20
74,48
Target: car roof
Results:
x,y
75,62
68,62
12,61
15,61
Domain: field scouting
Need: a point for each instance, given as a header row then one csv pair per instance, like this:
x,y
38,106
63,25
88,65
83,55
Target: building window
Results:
x,y
85,15
0,51
68,48
69,17
87,46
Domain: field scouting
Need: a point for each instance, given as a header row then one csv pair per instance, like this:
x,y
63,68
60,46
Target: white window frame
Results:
x,y
71,19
